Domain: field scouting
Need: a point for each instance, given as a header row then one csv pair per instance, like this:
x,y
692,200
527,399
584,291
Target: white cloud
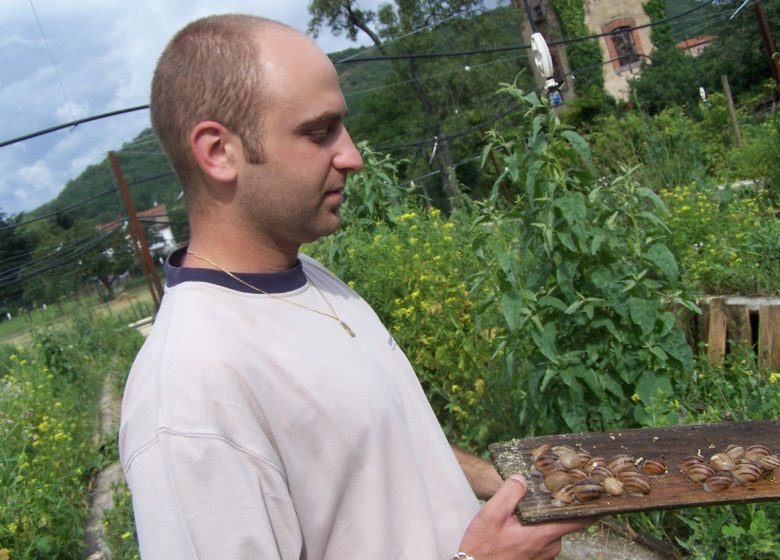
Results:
x,y
104,52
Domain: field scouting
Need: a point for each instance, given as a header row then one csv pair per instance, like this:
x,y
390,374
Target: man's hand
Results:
x,y
496,534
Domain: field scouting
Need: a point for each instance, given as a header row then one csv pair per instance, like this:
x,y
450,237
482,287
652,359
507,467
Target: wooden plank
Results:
x,y
738,324
716,325
671,490
769,337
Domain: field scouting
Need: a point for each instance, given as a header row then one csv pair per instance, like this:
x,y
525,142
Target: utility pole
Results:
x,y
769,45
724,80
137,235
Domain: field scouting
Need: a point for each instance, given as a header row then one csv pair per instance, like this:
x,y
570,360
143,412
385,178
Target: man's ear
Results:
x,y
216,149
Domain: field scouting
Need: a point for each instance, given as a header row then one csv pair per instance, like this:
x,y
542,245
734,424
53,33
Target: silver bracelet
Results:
x,y
462,556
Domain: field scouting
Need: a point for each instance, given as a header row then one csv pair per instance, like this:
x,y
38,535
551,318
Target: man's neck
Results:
x,y
239,257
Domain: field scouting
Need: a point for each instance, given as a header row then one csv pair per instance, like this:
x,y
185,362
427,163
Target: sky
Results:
x,y
98,56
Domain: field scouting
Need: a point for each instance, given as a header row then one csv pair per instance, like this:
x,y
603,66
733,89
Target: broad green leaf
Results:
x,y
530,181
655,219
660,255
651,195
512,308
580,146
677,347
653,387
554,302
572,206
598,239
566,241
643,313
565,273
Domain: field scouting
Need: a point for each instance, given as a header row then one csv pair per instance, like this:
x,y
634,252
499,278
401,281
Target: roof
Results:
x,y
696,41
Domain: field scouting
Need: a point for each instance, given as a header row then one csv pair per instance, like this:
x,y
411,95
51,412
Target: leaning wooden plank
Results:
x,y
670,490
769,337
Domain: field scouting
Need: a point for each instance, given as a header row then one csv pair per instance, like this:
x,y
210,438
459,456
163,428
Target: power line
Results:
x,y
418,56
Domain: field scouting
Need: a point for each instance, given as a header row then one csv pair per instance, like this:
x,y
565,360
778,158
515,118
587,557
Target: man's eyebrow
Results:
x,y
323,118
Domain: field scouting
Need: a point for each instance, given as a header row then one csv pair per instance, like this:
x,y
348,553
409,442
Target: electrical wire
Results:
x,y
419,56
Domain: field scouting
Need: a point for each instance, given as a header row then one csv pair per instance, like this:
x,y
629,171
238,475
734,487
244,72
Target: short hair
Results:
x,y
210,71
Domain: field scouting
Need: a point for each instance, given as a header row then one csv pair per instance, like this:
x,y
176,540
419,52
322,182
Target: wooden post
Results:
x,y
769,337
769,45
715,325
732,111
738,325
137,234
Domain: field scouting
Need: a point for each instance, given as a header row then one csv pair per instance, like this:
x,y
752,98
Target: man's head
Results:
x,y
251,115
210,71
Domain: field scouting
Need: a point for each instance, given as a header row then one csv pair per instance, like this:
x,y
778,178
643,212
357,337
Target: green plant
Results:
x,y
119,525
584,274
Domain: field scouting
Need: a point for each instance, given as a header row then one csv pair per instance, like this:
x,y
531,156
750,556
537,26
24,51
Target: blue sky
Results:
x,y
98,56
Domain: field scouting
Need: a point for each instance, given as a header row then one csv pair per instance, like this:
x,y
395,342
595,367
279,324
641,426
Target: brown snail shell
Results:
x,y
625,474
699,472
588,490
717,482
600,473
690,461
736,452
577,474
769,462
653,467
537,452
547,463
755,452
593,463
564,495
556,480
746,473
563,450
585,457
570,460
612,486
637,485
621,462
722,462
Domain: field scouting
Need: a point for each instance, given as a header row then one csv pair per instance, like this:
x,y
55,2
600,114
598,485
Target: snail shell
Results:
x,y
699,472
637,485
570,460
537,452
593,463
556,480
746,473
587,490
755,452
563,450
564,495
547,463
717,482
736,452
625,474
577,474
600,473
612,486
585,457
690,461
621,462
769,462
654,467
722,462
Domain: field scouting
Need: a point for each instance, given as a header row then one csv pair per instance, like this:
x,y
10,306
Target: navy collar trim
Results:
x,y
272,282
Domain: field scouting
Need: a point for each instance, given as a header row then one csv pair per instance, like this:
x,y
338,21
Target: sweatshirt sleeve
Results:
x,y
202,496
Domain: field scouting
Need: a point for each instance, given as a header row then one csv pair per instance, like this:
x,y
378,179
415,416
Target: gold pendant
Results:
x,y
347,328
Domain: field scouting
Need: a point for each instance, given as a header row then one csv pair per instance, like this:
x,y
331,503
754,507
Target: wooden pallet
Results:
x,y
754,322
671,490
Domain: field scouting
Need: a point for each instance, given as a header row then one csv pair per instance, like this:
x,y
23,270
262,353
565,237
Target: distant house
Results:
x,y
156,220
696,45
623,46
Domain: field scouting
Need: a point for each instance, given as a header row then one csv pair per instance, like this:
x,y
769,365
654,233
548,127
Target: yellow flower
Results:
x,y
126,535
635,397
774,377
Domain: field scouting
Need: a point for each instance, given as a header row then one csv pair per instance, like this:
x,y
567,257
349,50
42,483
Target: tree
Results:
x,y
431,94
15,252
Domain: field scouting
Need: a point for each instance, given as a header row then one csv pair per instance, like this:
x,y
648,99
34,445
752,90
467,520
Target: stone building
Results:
x,y
623,49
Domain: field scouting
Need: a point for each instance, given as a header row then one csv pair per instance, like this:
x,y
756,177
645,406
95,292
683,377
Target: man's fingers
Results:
x,y
504,502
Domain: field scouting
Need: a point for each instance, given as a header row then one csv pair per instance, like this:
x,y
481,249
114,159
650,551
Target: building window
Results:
x,y
623,43
625,50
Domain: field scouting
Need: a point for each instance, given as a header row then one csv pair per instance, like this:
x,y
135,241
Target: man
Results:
x,y
270,414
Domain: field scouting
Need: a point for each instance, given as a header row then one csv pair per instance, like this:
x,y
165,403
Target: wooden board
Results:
x,y
671,490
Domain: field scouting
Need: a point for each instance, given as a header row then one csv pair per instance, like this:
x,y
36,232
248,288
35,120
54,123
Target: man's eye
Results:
x,y
321,134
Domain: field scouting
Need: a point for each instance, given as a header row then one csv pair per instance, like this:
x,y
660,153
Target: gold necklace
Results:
x,y
335,315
